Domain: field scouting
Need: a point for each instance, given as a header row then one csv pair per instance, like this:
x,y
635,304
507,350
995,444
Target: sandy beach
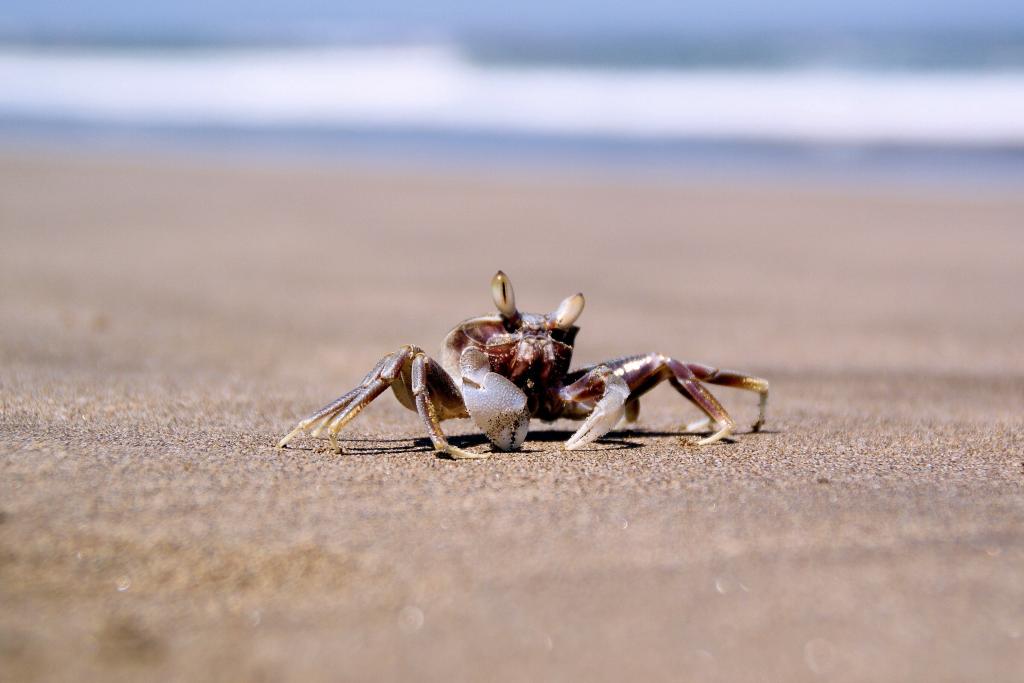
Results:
x,y
164,319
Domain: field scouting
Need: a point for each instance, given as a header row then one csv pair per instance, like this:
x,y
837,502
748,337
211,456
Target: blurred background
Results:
x,y
893,89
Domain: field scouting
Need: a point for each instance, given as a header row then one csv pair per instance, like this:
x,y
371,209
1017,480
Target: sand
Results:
x,y
165,319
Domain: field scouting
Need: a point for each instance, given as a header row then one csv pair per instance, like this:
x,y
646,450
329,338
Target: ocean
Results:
x,y
937,103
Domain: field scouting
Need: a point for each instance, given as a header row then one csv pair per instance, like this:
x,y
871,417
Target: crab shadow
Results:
x,y
617,440
613,441
424,445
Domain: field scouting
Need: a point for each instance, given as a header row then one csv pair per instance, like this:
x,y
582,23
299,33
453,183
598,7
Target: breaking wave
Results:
x,y
438,87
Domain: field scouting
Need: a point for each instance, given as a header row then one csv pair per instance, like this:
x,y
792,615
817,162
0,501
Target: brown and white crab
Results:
x,y
502,370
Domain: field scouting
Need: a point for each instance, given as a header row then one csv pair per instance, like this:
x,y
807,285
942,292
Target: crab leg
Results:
x,y
339,412
687,384
730,378
428,388
434,397
324,416
316,422
349,412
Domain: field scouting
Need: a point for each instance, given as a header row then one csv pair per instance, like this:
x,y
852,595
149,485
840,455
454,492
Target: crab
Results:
x,y
502,370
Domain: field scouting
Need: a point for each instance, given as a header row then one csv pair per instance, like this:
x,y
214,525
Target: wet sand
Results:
x,y
164,321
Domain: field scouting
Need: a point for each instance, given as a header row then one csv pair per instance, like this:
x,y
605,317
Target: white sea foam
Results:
x,y
436,88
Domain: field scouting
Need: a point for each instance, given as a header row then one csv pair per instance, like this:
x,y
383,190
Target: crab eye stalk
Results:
x,y
568,311
504,297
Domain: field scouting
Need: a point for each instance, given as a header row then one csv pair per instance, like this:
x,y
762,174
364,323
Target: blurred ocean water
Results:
x,y
937,94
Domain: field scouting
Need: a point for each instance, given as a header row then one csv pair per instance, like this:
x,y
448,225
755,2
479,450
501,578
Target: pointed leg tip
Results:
x,y
456,453
289,436
723,433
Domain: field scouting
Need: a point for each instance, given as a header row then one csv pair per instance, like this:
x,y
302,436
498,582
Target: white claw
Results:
x,y
606,414
497,406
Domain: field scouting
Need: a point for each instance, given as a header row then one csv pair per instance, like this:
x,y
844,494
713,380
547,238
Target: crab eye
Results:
x,y
504,297
568,311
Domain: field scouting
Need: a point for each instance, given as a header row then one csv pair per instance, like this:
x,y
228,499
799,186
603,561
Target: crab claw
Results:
x,y
605,416
497,406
